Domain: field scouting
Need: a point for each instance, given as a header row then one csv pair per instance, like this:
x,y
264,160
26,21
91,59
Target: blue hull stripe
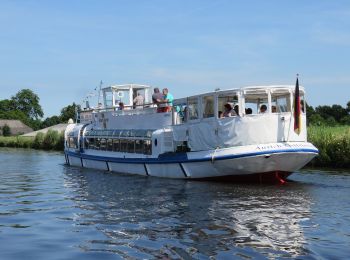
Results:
x,y
182,159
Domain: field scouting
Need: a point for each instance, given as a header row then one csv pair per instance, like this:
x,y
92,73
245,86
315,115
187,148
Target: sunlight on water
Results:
x,y
49,210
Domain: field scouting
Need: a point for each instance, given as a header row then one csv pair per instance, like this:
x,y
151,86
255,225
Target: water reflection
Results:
x,y
152,217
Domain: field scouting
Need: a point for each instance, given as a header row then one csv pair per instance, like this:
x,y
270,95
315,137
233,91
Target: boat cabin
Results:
x,y
115,94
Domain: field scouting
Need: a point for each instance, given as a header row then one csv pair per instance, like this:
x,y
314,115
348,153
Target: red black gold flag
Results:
x,y
297,109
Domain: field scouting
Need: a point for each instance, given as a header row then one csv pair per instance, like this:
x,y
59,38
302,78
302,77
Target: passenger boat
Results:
x,y
263,138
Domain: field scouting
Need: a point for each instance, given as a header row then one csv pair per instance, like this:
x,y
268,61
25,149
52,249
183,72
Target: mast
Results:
x,y
99,93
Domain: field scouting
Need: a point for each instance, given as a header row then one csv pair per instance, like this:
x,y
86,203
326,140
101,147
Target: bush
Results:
x,y
333,144
6,130
50,140
38,140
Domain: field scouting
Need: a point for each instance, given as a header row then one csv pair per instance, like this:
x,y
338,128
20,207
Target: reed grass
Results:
x,y
333,144
52,140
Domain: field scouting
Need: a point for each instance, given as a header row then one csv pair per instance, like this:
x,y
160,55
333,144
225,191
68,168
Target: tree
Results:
x,y
348,107
69,112
6,130
336,112
28,102
6,105
50,121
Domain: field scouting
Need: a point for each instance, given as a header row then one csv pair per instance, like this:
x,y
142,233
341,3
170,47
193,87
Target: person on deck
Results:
x,y
157,99
138,100
168,100
121,106
229,110
263,109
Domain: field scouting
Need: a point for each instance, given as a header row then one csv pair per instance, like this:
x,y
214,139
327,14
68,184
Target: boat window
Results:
x,y
208,106
223,99
280,103
108,98
131,146
122,95
97,143
109,144
92,143
256,103
140,133
123,145
116,133
116,145
139,146
192,108
148,147
103,144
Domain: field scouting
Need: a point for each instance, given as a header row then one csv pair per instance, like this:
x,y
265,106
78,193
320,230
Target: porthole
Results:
x,y
155,142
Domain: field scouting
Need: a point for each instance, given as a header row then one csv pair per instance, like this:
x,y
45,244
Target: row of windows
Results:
x,y
280,103
120,133
119,145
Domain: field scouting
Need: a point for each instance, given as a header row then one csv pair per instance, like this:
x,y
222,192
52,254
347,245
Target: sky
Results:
x,y
63,49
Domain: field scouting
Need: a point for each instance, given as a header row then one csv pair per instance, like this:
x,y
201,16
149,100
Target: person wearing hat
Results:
x,y
229,111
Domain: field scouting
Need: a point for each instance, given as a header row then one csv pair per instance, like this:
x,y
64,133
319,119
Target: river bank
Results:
x,y
52,140
332,142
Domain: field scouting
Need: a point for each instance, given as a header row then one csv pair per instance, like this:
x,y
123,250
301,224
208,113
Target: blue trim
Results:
x,y
174,158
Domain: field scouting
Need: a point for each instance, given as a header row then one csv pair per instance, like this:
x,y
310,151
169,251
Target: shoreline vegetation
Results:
x,y
332,142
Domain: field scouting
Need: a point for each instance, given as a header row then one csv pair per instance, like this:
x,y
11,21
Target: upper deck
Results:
x,y
245,101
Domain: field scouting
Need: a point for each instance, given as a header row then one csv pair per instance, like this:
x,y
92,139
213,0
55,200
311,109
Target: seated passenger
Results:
x,y
229,110
121,106
236,109
273,109
248,111
220,114
263,109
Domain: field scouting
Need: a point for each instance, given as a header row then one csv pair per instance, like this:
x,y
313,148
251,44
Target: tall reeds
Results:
x,y
52,140
333,144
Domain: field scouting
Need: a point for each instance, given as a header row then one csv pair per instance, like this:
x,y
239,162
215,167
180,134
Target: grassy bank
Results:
x,y
333,144
52,140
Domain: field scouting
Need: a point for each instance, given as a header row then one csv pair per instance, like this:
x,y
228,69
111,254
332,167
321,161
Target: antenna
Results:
x,y
99,93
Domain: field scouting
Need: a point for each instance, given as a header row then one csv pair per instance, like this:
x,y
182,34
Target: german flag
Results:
x,y
297,109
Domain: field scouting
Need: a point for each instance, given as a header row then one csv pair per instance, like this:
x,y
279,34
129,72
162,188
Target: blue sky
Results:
x,y
62,49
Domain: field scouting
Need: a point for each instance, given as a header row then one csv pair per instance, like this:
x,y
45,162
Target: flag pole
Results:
x,y
297,108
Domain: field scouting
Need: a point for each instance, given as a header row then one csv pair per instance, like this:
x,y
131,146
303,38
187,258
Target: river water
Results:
x,y
51,211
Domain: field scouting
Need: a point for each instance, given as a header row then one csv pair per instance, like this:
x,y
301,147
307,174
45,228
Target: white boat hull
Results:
x,y
279,160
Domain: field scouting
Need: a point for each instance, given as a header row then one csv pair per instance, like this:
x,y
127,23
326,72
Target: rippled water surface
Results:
x,y
52,211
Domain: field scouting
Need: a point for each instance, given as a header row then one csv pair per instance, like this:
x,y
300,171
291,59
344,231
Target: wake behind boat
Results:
x,y
253,133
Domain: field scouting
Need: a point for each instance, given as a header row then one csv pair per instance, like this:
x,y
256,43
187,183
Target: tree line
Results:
x,y
334,115
25,106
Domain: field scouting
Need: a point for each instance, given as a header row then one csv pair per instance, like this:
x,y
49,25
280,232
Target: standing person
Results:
x,y
168,100
138,100
157,99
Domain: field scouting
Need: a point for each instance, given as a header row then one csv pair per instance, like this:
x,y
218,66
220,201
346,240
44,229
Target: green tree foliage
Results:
x,y
328,115
50,121
7,105
28,102
69,112
6,130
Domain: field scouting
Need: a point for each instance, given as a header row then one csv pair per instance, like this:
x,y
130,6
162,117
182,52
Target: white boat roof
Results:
x,y
126,86
257,89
